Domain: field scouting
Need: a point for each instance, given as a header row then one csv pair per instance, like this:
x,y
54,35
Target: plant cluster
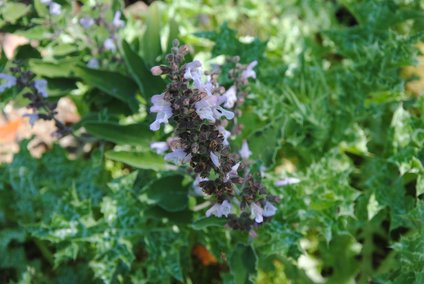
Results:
x,y
310,173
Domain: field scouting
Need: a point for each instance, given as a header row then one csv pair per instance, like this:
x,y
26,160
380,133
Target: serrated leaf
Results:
x,y
271,133
133,134
141,160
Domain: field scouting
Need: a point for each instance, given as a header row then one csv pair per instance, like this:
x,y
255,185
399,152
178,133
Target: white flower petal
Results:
x,y
269,210
244,151
41,87
215,159
9,82
231,97
287,181
159,147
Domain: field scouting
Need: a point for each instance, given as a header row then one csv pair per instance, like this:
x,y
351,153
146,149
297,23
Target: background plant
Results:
x,y
331,102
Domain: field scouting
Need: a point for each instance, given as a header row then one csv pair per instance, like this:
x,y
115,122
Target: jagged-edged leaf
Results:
x,y
271,136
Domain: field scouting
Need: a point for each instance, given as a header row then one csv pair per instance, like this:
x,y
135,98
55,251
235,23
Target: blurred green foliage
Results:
x,y
329,106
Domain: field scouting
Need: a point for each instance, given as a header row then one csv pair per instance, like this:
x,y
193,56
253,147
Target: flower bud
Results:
x,y
156,70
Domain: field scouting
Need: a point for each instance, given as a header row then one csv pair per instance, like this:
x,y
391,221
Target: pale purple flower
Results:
x,y
287,181
156,70
225,133
215,159
32,118
9,82
179,156
164,110
109,44
86,22
159,147
210,108
233,173
117,22
55,9
249,72
93,63
231,97
41,87
244,151
196,185
256,212
220,210
269,210
193,71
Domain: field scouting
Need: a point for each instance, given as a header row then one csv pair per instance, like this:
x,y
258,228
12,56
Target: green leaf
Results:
x,y
3,60
271,133
151,39
134,134
147,83
208,222
169,193
141,160
112,83
173,34
243,264
63,68
180,217
14,11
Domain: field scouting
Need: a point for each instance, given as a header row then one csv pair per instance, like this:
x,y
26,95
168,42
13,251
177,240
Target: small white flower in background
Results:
x,y
32,118
210,108
220,210
41,87
269,210
109,44
197,189
159,147
156,70
231,96
233,173
9,82
164,110
117,22
244,151
287,181
249,72
93,63
86,22
179,156
256,212
225,133
55,9
215,159
46,2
